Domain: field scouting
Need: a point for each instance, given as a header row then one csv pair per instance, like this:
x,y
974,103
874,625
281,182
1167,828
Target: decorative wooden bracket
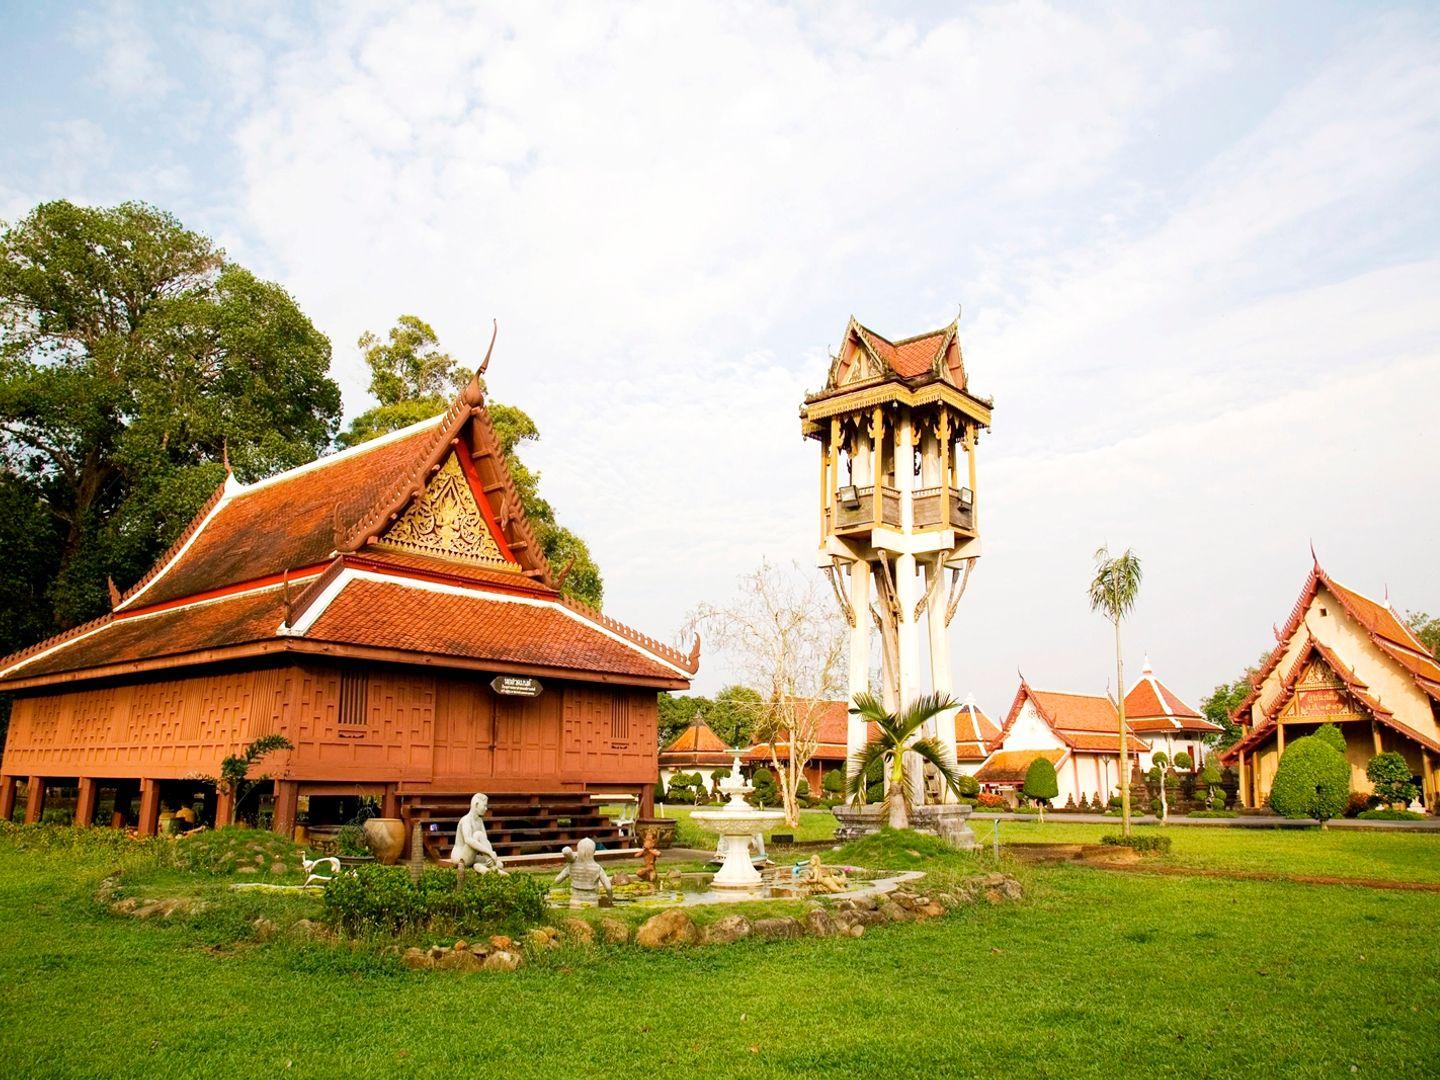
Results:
x,y
564,573
936,573
958,581
114,593
832,575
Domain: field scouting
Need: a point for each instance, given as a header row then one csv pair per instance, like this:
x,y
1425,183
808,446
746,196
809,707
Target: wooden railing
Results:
x,y
858,513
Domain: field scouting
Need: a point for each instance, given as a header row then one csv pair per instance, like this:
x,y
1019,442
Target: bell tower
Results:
x,y
899,527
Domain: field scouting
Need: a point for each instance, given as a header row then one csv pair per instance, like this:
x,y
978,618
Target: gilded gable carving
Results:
x,y
446,522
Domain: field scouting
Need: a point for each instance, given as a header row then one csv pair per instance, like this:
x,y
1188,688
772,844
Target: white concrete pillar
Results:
x,y
940,677
863,470
859,680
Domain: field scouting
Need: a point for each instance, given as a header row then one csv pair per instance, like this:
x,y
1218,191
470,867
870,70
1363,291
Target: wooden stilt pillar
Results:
x,y
1427,776
85,803
1280,738
149,823
1244,792
647,801
224,809
35,804
390,802
7,797
287,796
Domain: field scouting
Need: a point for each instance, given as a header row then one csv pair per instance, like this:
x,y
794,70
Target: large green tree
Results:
x,y
1426,629
413,378
1218,705
133,355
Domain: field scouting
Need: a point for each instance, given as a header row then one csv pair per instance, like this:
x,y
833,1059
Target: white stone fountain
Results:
x,y
737,823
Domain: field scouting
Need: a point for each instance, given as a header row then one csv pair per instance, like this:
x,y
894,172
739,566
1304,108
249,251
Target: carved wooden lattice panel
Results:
x,y
446,521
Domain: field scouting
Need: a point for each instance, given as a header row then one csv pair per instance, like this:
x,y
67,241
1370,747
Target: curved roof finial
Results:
x,y
494,333
474,393
1313,557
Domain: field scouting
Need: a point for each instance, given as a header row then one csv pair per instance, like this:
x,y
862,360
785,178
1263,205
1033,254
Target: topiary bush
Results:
x,y
1392,779
1183,760
1041,783
968,786
1313,781
834,782
767,792
1390,815
1332,736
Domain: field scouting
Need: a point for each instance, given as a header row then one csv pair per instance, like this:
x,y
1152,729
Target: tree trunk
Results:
x,y
899,814
1124,751
785,777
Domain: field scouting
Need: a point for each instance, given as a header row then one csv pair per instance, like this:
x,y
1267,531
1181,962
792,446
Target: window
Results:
x,y
620,718
354,703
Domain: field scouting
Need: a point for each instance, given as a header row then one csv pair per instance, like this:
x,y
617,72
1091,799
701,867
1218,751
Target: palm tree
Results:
x,y
892,746
1112,593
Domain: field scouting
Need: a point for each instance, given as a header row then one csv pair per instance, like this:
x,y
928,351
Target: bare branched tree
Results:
x,y
784,638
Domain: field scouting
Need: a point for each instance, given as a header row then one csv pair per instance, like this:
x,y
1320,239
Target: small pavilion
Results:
x,y
1346,659
1168,724
697,749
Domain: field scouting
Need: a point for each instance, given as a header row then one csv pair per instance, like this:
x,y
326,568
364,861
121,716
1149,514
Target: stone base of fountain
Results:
x,y
949,821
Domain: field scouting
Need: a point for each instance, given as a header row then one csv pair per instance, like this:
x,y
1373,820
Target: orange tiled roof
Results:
x,y
1010,766
1086,723
696,745
1152,706
918,355
975,733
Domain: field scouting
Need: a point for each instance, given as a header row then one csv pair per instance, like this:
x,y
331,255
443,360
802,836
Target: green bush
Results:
x,y
968,786
834,782
1040,781
387,900
1217,799
1183,760
1392,778
1143,842
350,840
1390,815
1213,813
1332,736
237,851
1160,759
1313,781
802,789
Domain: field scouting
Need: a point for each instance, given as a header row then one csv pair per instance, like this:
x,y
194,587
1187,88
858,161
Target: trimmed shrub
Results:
x,y
1359,802
1213,813
1392,779
968,786
1390,815
990,801
1217,799
1040,780
834,782
1143,842
767,792
1331,736
387,900
1160,759
802,789
1183,760
1313,781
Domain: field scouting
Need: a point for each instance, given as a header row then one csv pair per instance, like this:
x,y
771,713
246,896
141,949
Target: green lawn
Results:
x,y
1391,856
1095,974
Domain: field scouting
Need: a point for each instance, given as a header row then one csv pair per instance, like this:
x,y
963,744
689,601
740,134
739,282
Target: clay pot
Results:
x,y
386,839
664,830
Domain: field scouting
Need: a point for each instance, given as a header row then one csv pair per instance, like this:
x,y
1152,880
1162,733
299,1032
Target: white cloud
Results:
x,y
128,64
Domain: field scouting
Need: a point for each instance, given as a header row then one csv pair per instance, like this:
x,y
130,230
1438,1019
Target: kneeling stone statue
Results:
x,y
472,847
587,877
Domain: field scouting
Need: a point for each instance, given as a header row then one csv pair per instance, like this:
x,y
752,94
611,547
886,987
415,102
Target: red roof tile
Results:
x,y
1010,766
696,745
1152,706
478,625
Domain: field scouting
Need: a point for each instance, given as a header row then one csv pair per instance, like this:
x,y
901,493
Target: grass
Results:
x,y
814,825
1315,852
1096,974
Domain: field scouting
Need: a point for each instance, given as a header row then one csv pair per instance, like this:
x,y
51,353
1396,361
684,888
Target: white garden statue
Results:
x,y
472,847
586,876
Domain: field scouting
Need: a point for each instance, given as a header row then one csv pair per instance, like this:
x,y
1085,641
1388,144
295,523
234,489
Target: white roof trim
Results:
x,y
353,451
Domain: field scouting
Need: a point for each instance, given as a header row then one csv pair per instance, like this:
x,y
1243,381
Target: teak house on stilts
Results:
x,y
386,609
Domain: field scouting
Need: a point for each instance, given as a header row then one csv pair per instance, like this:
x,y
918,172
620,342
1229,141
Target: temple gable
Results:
x,y
447,521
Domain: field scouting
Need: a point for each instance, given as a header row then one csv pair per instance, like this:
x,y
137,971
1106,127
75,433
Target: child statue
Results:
x,y
816,877
472,847
649,852
587,877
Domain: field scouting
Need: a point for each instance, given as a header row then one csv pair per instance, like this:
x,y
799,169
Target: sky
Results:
x,y
1195,249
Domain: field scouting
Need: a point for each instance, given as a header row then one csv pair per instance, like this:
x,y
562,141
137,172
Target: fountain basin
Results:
x,y
737,825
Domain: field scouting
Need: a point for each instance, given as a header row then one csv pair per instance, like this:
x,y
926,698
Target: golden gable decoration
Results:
x,y
446,522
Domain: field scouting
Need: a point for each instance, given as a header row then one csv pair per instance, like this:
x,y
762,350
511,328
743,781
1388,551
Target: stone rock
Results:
x,y
416,959
579,931
872,918
782,927
615,931
500,941
818,923
278,869
932,910
437,952
502,960
309,928
728,930
461,946
480,949
620,879
146,910
671,927
126,906
460,960
543,937
855,930
947,900
894,912
264,929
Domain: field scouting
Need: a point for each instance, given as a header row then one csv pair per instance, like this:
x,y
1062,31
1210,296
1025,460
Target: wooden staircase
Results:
x,y
521,827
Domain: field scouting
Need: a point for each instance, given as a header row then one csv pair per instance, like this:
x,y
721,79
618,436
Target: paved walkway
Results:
x,y
1249,821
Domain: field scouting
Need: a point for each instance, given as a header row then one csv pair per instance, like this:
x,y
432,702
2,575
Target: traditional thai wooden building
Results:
x,y
388,610
1077,733
697,749
1167,724
1343,659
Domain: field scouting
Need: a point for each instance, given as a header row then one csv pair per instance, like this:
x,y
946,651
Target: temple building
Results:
x,y
1077,733
387,610
697,749
1169,725
1343,659
975,736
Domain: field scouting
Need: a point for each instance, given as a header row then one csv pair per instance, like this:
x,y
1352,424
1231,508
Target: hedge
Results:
x,y
387,899
1137,842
